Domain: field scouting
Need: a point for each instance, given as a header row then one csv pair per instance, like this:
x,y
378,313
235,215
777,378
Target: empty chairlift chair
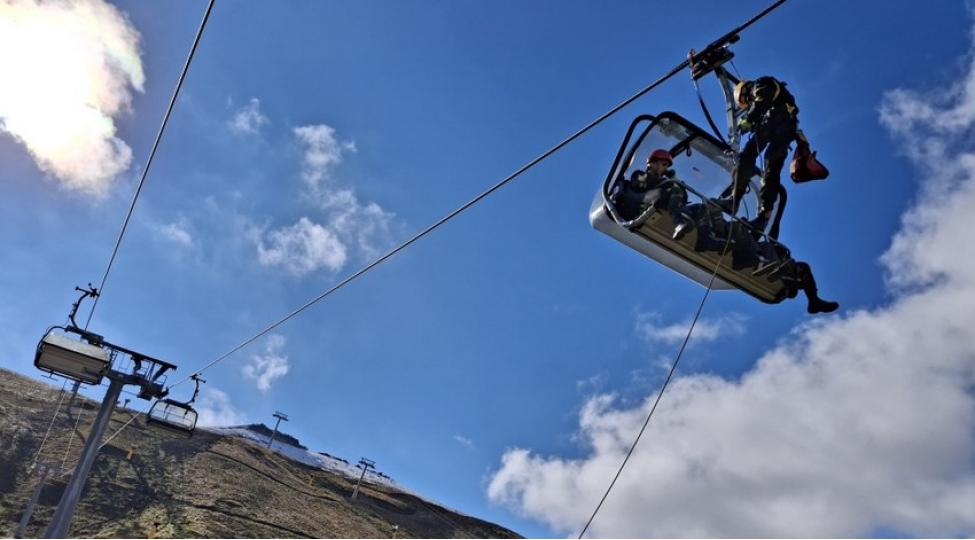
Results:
x,y
175,416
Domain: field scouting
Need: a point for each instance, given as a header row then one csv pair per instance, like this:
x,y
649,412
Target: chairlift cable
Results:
x,y
67,449
152,153
125,425
686,63
57,409
448,217
445,519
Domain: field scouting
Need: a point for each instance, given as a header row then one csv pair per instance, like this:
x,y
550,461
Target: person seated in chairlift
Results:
x,y
655,186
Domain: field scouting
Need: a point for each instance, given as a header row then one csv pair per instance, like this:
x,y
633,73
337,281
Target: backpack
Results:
x,y
781,95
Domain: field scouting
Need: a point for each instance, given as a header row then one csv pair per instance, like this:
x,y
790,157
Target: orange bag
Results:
x,y
805,166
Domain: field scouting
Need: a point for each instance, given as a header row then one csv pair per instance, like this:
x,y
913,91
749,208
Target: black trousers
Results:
x,y
773,137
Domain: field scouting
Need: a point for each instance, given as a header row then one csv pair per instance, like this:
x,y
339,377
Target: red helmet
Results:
x,y
662,155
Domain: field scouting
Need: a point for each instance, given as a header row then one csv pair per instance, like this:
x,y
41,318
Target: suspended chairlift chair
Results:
x,y
81,359
176,416
717,245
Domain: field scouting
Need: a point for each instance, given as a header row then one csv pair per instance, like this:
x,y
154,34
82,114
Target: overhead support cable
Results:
x,y
152,153
730,37
446,218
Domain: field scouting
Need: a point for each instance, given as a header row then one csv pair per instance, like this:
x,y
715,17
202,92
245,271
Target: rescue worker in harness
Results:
x,y
654,187
772,117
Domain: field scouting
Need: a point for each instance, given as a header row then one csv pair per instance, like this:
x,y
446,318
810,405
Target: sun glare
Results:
x,y
65,77
50,82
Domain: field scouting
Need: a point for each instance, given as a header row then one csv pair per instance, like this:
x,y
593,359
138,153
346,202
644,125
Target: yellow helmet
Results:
x,y
742,93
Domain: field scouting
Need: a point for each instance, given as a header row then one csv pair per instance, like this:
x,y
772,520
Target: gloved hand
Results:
x,y
744,125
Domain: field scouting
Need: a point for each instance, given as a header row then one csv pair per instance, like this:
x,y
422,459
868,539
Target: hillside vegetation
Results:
x,y
147,482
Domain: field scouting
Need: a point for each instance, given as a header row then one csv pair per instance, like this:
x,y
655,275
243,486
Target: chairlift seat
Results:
x,y
62,355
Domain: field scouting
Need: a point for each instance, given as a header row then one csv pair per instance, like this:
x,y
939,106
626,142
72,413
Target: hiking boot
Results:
x,y
818,305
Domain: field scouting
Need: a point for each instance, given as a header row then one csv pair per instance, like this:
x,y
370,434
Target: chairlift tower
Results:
x,y
45,470
87,359
366,464
280,416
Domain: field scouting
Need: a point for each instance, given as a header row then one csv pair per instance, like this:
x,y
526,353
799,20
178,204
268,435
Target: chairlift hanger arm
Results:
x,y
196,379
711,60
85,293
716,53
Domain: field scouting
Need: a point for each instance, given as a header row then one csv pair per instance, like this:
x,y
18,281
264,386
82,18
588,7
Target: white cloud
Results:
x,y
248,120
302,248
322,153
366,227
345,226
68,70
175,233
265,369
466,442
648,326
862,424
215,410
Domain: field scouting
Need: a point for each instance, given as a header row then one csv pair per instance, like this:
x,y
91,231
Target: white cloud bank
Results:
x,y
863,425
68,70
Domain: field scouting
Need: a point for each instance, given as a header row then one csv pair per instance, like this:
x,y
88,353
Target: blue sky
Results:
x,y
504,363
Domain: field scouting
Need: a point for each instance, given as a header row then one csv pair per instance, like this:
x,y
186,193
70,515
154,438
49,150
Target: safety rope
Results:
x,y
152,153
673,368
707,113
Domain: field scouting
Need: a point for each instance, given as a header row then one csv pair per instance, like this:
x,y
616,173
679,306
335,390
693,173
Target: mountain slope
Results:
x,y
145,481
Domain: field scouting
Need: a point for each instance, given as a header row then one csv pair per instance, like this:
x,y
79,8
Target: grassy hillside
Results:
x,y
147,482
